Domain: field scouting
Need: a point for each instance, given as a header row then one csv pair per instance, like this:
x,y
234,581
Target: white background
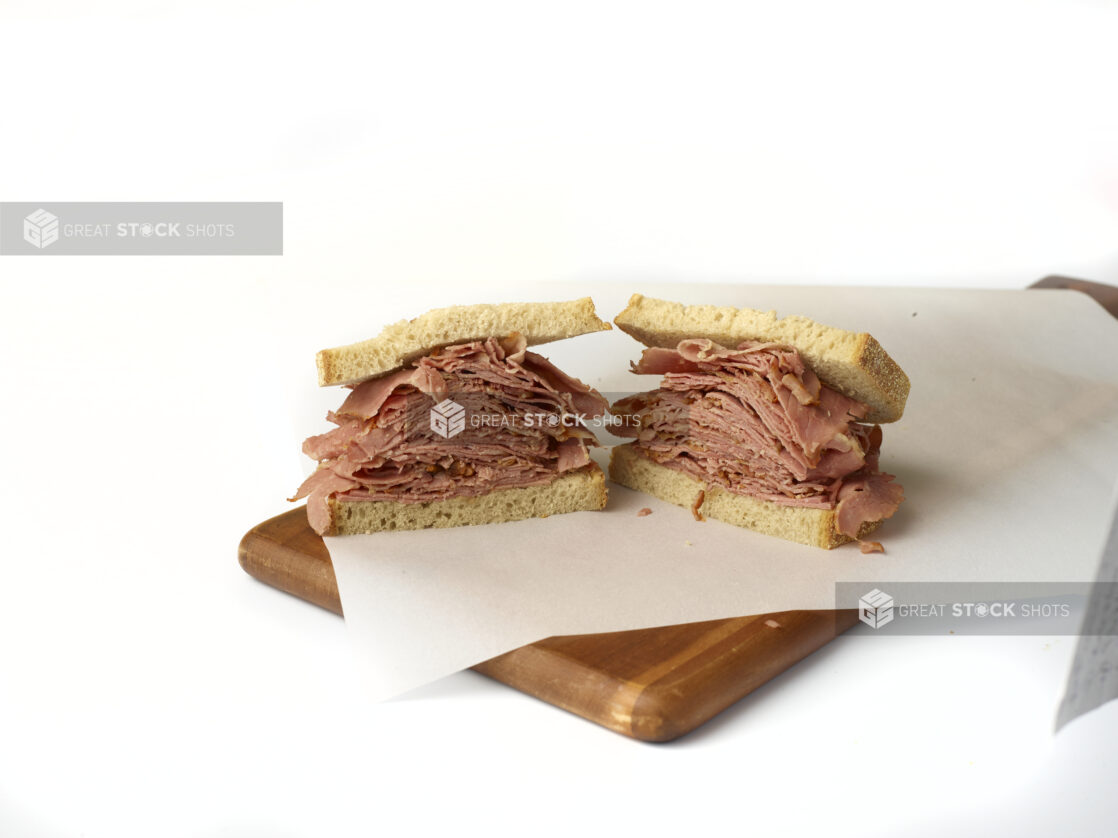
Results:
x,y
147,686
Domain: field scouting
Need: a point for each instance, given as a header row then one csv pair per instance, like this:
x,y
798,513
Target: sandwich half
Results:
x,y
770,424
450,420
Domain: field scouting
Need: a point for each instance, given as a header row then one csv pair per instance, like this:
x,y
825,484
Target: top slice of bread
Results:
x,y
851,362
403,342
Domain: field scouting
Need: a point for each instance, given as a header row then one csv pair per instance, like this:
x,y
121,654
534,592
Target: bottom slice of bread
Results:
x,y
814,527
584,489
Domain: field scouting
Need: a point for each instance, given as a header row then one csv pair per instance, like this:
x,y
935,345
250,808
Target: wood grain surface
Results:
x,y
651,684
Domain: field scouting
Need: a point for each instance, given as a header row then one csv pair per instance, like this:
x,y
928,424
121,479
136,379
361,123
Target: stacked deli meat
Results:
x,y
756,421
522,429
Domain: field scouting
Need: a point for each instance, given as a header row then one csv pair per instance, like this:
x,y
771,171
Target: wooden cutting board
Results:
x,y
651,684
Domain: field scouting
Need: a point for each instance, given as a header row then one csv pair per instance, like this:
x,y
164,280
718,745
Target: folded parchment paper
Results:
x,y
1093,679
1008,453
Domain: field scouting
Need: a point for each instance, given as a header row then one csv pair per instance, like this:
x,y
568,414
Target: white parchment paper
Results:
x,y
1008,452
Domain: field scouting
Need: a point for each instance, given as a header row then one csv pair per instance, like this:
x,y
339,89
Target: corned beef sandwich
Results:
x,y
452,421
764,423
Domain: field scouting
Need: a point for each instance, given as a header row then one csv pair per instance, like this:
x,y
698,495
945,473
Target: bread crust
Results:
x,y
403,342
814,527
853,363
583,489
